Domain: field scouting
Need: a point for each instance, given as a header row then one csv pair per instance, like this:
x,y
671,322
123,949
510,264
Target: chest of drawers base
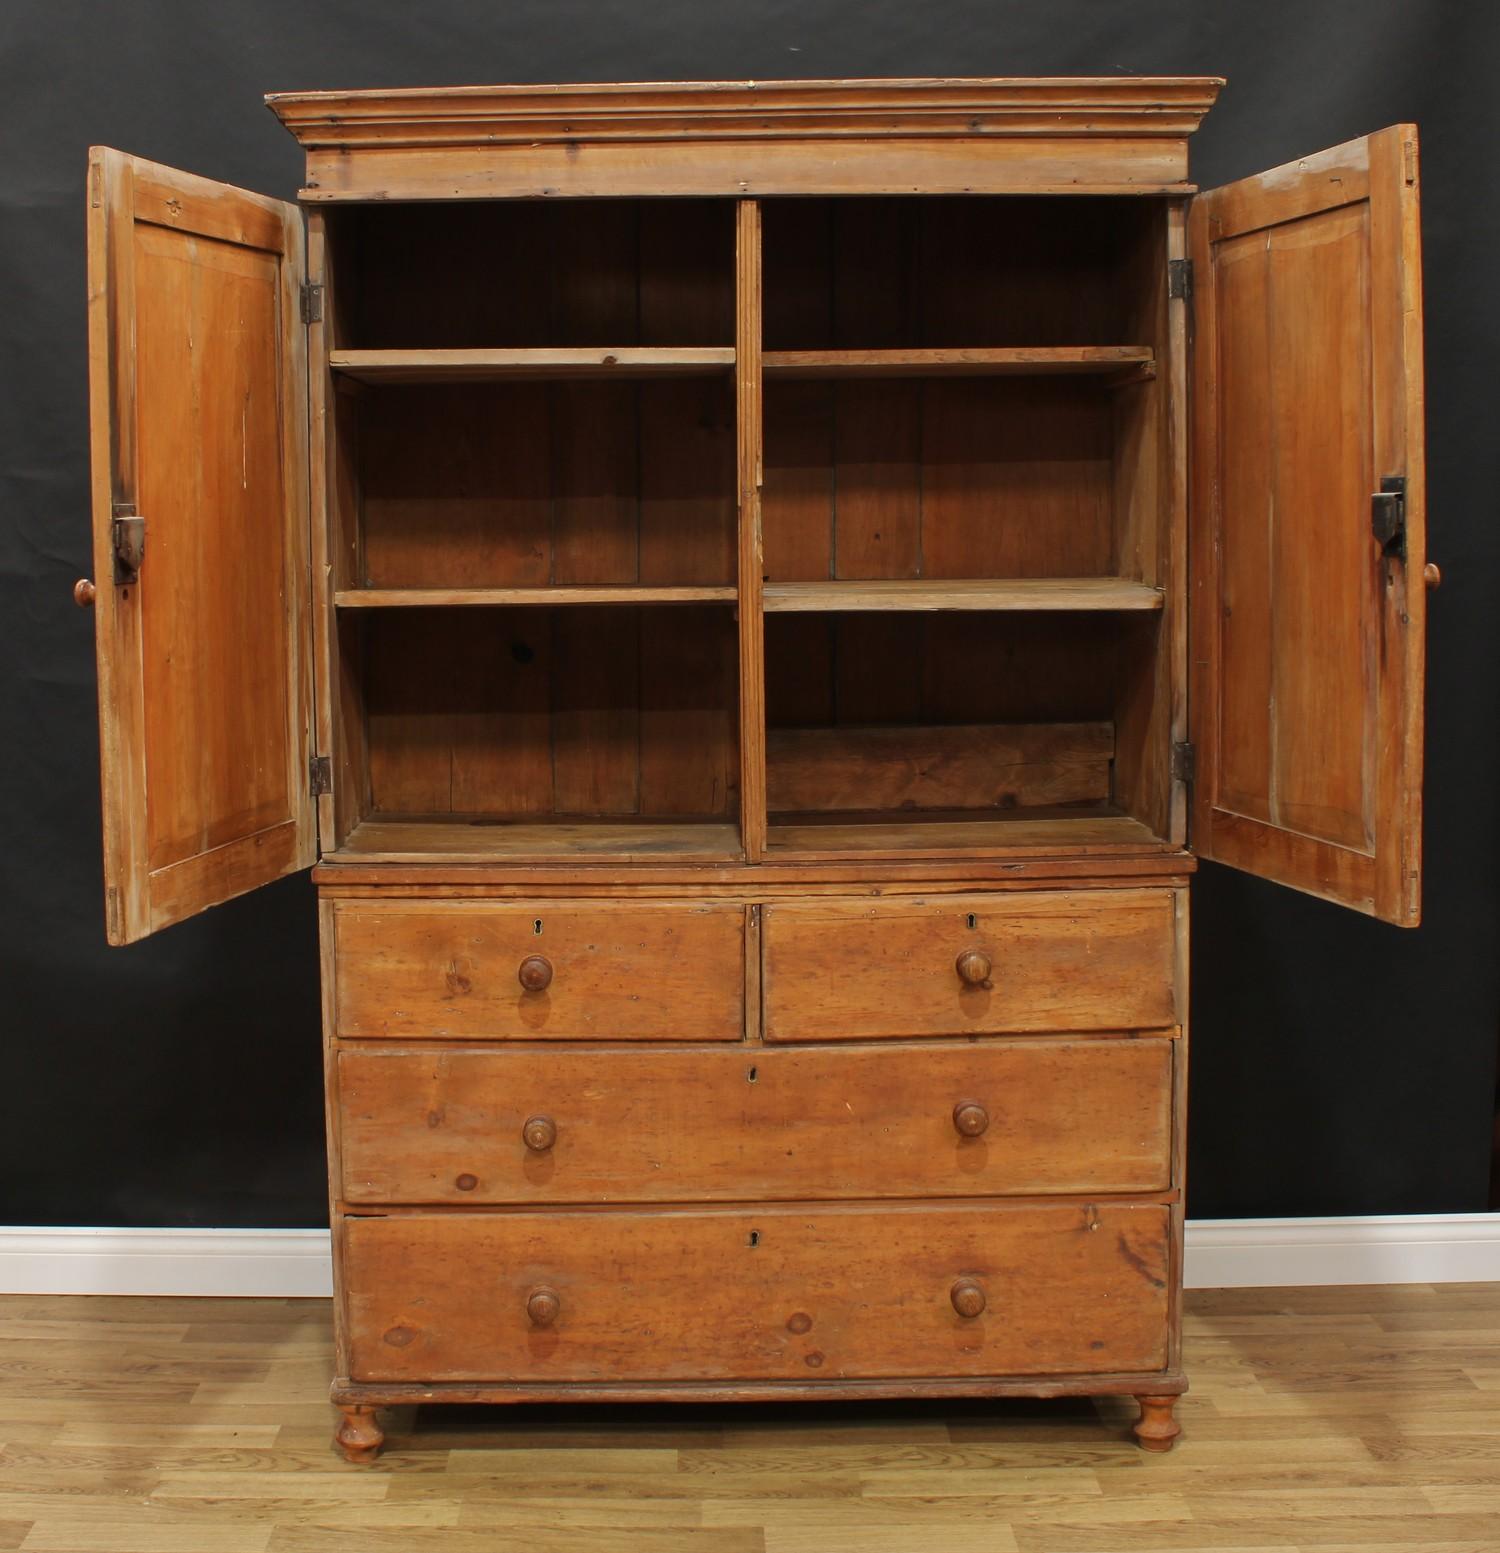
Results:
x,y
756,1145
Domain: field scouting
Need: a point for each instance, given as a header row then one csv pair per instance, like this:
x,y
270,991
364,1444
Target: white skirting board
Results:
x,y
294,1263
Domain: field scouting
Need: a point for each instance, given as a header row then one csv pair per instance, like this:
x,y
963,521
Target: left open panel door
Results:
x,y
198,397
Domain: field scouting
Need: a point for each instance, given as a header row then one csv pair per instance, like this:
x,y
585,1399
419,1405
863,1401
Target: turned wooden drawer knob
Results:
x,y
970,1118
973,967
84,593
967,1297
539,1133
543,1306
535,973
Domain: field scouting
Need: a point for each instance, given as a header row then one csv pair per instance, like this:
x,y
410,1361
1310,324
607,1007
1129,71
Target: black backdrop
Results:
x,y
1340,1066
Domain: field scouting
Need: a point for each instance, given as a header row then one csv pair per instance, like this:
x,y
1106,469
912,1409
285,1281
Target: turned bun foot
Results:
x,y
358,1436
1156,1429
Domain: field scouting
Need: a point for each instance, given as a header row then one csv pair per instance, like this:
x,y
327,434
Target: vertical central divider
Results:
x,y
747,375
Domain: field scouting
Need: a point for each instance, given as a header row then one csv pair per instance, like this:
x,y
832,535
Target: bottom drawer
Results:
x,y
773,1294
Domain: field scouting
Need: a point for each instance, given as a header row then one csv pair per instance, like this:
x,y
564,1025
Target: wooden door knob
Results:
x,y
973,967
970,1118
539,1133
967,1297
1432,575
84,593
535,973
543,1305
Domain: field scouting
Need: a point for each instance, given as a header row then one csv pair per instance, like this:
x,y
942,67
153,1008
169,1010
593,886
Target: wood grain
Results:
x,y
626,971
713,1125
969,766
841,970
848,1293
1370,1419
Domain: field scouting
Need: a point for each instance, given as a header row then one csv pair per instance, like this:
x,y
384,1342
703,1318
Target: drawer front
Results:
x,y
595,971
767,1294
970,965
948,1119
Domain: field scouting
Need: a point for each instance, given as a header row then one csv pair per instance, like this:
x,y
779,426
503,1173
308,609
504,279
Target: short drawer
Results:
x,y
949,1119
770,1293
970,965
554,971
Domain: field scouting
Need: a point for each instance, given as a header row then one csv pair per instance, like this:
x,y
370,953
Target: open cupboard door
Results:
x,y
198,383
1307,533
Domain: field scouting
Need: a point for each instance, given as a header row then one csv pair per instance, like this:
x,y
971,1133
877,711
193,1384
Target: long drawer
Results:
x,y
660,1125
562,970
771,1293
1054,960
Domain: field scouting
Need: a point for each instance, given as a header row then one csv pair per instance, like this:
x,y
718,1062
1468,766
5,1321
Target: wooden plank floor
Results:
x,y
1321,1419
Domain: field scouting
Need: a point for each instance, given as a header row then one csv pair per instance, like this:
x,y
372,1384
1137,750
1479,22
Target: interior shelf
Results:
x,y
1100,828
484,840
1015,593
1021,360
486,366
447,598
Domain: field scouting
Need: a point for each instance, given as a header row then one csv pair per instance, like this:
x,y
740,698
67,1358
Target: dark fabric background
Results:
x,y
1340,1066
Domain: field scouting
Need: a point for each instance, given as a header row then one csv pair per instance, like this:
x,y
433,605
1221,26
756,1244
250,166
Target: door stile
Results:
x,y
295,419
748,417
1175,463
1396,270
117,627
320,462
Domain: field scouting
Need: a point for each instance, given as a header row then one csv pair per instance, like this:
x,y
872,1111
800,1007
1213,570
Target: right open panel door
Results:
x,y
1306,532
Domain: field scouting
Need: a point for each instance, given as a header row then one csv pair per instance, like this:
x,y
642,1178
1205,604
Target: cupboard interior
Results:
x,y
476,274
909,732
961,397
589,730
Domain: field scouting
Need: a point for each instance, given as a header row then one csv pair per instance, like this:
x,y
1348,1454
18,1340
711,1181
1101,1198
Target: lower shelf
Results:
x,y
939,834
1058,832
455,839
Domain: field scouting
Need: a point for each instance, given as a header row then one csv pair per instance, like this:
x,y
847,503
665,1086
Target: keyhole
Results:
x,y
755,1237
536,927
753,1074
973,922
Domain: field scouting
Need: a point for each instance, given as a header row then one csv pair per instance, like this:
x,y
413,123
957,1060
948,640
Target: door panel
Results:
x,y
1308,631
198,397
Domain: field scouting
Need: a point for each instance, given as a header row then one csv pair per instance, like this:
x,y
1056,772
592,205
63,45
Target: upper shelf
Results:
x,y
1014,593
1137,360
602,593
479,366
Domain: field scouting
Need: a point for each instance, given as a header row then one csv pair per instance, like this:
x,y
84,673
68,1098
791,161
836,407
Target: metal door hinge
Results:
x,y
1184,763
1180,278
312,302
1388,515
319,775
127,538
